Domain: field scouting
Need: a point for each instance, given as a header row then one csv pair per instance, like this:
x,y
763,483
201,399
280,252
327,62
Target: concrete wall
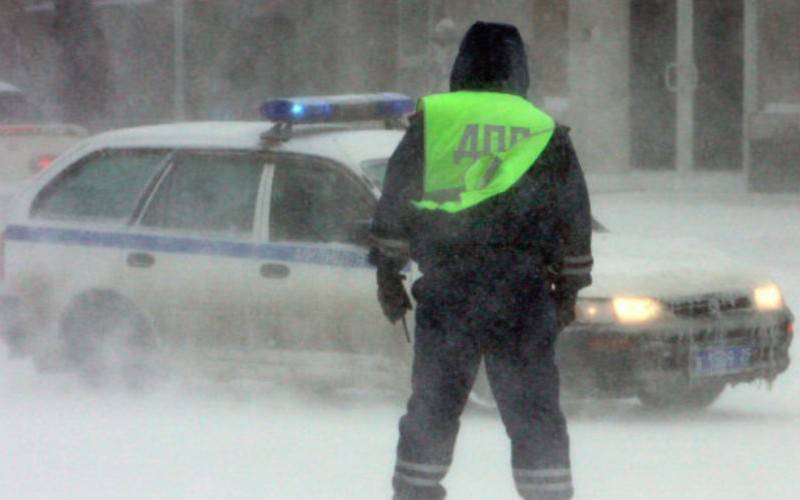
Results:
x,y
598,77
579,52
773,126
366,39
353,46
28,55
779,54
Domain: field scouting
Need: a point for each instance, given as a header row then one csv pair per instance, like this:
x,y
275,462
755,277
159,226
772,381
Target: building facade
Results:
x,y
645,84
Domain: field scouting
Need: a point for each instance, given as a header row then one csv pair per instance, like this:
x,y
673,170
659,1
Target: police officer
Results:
x,y
488,193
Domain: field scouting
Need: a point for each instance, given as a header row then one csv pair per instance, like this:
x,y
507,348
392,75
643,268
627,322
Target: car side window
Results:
x,y
313,201
104,186
208,192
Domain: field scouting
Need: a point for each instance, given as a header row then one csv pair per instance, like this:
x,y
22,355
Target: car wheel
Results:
x,y
107,339
696,396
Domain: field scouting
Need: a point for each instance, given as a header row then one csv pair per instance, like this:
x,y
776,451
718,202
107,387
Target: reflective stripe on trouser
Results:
x,y
547,483
577,265
419,475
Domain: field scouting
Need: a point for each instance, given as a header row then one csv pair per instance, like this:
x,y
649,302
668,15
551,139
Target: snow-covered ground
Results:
x,y
241,441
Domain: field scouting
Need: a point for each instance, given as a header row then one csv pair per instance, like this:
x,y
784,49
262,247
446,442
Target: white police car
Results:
x,y
233,240
242,245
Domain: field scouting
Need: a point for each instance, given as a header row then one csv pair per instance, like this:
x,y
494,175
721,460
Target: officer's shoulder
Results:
x,y
416,123
561,143
556,156
561,131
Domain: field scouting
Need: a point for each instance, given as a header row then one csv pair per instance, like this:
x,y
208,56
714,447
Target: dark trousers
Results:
x,y
512,327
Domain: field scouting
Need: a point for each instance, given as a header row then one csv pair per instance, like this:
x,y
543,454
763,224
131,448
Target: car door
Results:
x,y
192,257
70,242
327,288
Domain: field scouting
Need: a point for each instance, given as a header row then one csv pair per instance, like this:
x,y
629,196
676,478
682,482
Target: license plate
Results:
x,y
721,361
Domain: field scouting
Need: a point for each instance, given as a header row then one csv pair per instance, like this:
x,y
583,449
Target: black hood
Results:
x,y
492,58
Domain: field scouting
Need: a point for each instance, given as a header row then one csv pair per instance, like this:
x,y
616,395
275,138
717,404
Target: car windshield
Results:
x,y
375,170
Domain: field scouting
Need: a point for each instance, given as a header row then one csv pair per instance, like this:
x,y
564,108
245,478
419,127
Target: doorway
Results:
x,y
693,85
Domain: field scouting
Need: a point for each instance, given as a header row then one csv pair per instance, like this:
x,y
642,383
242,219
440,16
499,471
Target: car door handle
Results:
x,y
140,259
274,271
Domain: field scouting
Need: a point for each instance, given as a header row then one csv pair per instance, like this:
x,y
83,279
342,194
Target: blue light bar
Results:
x,y
337,109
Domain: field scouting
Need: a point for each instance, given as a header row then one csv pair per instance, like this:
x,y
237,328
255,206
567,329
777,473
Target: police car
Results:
x,y
673,322
229,240
243,246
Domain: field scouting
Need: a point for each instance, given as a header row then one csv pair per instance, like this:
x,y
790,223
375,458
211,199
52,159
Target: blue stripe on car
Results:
x,y
175,244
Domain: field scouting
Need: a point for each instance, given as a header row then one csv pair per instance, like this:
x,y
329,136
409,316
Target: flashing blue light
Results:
x,y
297,110
332,109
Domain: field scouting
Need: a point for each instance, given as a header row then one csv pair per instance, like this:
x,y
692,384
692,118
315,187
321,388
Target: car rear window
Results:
x,y
208,192
104,186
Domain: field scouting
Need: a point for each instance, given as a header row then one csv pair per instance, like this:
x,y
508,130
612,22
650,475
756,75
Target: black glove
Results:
x,y
565,307
392,295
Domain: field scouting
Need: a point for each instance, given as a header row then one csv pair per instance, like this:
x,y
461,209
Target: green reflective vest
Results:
x,y
478,145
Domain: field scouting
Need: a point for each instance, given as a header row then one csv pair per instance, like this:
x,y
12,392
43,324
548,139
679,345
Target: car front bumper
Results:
x,y
617,361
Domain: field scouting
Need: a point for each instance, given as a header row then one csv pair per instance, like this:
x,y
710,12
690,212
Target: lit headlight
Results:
x,y
619,310
594,311
636,309
768,297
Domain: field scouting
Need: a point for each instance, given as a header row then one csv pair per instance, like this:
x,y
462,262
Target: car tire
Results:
x,y
106,339
695,397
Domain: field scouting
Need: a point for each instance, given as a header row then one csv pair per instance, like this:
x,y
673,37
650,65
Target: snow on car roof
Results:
x,y
345,144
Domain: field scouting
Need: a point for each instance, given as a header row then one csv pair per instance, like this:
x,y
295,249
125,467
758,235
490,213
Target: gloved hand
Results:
x,y
392,295
565,307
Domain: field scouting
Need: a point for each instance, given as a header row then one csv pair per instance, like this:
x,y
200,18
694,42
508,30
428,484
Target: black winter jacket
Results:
x,y
544,217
